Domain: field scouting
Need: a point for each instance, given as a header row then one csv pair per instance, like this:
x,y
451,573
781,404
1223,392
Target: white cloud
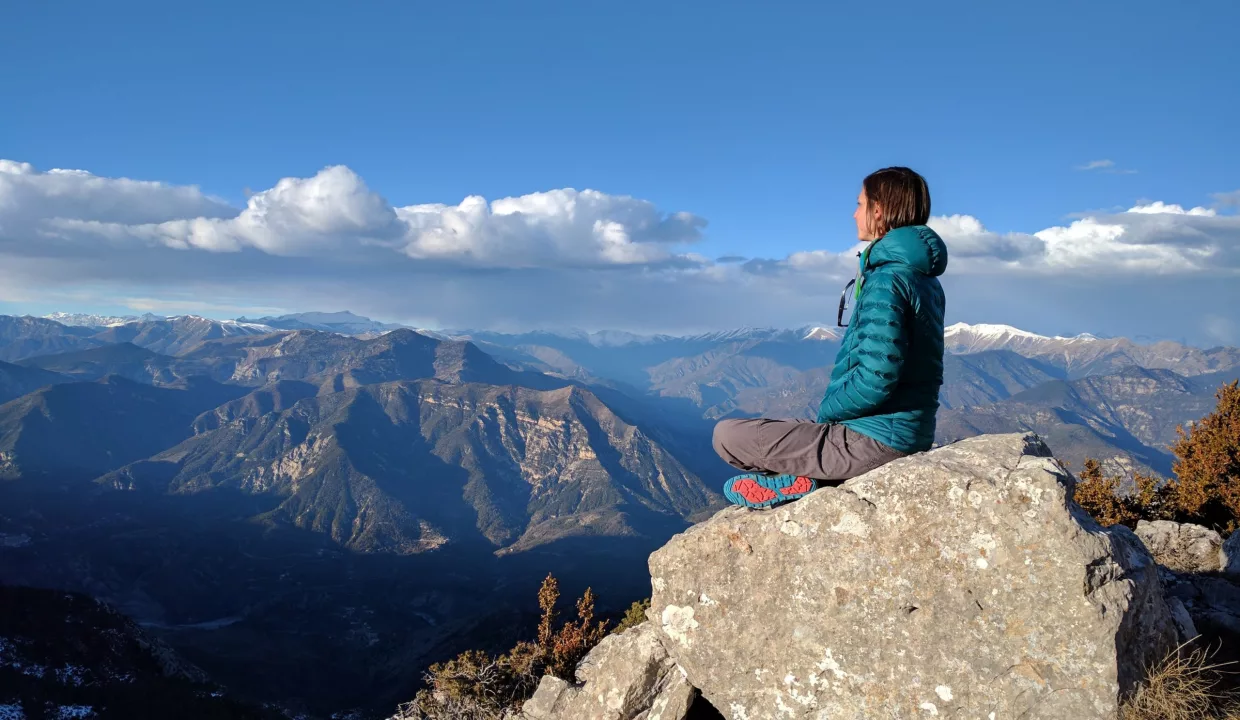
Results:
x,y
559,227
966,237
1106,166
1152,239
334,212
1090,243
1227,198
29,198
561,257
299,216
1162,208
825,262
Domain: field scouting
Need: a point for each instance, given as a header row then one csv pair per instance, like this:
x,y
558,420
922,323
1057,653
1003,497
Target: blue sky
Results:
x,y
761,120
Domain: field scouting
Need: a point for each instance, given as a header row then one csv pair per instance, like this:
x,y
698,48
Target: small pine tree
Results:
x,y
1100,496
634,616
1206,486
1207,465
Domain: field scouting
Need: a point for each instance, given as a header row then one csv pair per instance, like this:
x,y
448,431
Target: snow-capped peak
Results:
x,y
90,320
249,325
985,330
821,333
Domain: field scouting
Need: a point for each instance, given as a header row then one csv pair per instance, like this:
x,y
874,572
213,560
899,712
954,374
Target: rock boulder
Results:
x,y
1182,547
962,583
628,676
1229,554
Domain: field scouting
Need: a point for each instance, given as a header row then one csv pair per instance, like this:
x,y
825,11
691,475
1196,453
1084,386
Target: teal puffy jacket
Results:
x,y
886,379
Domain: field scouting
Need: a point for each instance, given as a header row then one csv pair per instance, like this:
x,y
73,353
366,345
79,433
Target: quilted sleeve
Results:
x,y
882,327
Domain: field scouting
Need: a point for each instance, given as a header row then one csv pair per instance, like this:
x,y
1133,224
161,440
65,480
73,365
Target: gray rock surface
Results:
x,y
1212,603
957,583
1186,628
628,676
1229,554
1182,547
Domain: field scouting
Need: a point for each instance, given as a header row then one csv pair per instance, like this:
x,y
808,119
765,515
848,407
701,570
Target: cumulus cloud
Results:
x,y
29,198
335,212
299,216
966,238
1152,239
563,257
559,227
1162,208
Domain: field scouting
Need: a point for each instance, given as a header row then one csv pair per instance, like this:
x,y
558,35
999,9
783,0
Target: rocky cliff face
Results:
x,y
963,582
406,467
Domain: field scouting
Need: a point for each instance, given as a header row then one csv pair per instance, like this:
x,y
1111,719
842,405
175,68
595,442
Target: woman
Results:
x,y
884,389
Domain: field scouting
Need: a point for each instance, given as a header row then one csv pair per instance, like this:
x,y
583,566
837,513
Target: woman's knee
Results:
x,y
725,431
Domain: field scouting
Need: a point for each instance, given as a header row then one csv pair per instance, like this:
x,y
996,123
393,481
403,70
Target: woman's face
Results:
x,y
866,217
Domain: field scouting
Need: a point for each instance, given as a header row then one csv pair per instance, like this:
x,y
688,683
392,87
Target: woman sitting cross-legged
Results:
x,y
883,395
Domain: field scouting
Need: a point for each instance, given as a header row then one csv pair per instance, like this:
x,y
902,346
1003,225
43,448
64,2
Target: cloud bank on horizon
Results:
x,y
578,258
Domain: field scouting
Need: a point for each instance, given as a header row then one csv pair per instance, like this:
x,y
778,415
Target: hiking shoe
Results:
x,y
755,490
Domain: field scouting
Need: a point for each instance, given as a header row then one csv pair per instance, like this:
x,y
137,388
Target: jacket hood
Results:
x,y
916,246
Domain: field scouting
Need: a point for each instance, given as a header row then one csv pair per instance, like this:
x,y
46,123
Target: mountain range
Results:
x,y
312,507
1085,355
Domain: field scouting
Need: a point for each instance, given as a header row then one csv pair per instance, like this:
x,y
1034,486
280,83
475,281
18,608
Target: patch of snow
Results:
x,y
248,325
73,712
12,712
743,333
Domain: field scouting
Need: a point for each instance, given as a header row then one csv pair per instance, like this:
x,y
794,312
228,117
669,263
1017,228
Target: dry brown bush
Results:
x,y
478,686
1186,685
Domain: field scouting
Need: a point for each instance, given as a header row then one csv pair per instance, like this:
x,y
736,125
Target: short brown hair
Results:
x,y
903,196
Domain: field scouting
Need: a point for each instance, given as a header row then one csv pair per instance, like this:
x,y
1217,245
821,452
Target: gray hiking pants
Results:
x,y
821,451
